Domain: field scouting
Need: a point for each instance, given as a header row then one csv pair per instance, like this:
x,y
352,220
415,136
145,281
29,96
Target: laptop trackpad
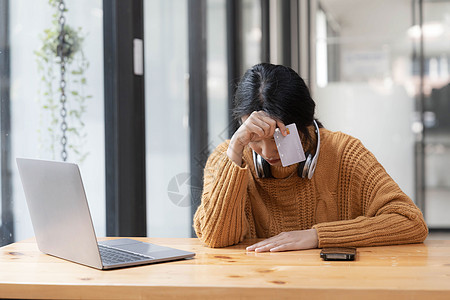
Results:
x,y
138,247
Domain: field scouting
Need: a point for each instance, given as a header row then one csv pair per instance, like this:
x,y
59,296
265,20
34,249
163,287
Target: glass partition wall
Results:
x,y
167,113
436,110
170,196
376,82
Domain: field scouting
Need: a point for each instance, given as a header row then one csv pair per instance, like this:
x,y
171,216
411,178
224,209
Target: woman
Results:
x,y
347,200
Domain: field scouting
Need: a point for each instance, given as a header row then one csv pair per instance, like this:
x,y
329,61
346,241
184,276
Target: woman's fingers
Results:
x,y
254,129
285,247
258,126
292,240
263,121
273,123
273,241
282,127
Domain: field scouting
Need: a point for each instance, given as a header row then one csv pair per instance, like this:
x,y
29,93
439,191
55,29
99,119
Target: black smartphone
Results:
x,y
338,253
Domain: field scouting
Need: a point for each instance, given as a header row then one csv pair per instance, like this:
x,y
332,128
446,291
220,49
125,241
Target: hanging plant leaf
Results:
x,y
62,44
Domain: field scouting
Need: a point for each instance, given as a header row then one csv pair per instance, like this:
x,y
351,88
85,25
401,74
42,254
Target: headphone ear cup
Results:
x,y
262,167
266,168
303,166
306,168
257,164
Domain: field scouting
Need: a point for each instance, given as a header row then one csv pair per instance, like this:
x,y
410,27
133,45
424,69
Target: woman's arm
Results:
x,y
220,219
373,209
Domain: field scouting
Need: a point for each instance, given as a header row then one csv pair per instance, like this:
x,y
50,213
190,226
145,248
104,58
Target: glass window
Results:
x,y
251,33
167,124
167,90
217,73
34,94
368,78
436,35
364,82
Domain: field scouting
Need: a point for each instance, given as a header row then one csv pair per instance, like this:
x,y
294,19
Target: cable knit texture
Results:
x,y
350,201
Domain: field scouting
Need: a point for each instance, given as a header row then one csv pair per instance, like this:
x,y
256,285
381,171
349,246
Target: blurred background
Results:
x,y
149,86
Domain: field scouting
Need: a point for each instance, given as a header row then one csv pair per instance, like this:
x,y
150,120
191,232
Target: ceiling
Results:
x,y
386,22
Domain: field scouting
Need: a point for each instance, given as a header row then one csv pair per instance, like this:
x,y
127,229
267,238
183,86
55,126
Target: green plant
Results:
x,y
48,64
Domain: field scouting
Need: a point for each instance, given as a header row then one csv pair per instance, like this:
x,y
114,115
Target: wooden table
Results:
x,y
418,271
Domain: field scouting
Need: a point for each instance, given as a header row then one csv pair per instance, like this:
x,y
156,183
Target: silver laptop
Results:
x,y
63,226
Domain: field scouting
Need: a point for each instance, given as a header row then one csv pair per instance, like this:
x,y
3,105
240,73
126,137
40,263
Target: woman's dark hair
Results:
x,y
280,92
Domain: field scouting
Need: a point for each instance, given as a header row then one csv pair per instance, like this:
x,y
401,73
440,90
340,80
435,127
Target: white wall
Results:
x,y
380,119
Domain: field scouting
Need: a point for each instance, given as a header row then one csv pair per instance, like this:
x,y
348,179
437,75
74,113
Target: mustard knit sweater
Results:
x,y
350,200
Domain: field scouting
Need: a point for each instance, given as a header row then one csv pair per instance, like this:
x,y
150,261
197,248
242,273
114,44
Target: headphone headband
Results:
x,y
313,165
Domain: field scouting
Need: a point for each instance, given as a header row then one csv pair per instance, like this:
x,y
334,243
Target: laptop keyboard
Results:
x,y
112,256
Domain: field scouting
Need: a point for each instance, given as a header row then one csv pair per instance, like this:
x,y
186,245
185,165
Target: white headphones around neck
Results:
x,y
305,169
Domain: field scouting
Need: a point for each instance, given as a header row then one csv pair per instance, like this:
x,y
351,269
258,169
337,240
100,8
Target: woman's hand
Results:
x,y
256,127
291,240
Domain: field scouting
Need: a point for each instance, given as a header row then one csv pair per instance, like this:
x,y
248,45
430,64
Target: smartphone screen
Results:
x,y
338,253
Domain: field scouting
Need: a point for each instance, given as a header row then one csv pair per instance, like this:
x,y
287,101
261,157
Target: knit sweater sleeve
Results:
x,y
220,219
373,209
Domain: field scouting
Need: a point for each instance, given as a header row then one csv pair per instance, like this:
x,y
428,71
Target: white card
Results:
x,y
289,146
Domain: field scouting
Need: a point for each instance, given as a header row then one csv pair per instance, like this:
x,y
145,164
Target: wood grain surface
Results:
x,y
415,271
